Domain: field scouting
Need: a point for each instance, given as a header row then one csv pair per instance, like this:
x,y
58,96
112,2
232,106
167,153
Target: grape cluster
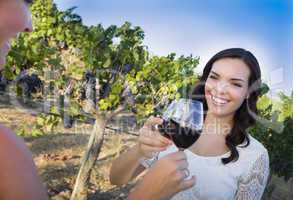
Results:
x,y
90,91
29,84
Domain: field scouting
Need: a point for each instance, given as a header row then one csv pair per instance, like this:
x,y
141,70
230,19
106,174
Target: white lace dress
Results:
x,y
244,179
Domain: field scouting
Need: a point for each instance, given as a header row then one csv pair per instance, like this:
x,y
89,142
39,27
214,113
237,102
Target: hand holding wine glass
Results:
x,y
151,141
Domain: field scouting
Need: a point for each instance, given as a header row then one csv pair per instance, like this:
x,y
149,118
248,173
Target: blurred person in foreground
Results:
x,y
19,179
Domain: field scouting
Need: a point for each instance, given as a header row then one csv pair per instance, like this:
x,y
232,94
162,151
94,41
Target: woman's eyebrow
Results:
x,y
233,79
215,73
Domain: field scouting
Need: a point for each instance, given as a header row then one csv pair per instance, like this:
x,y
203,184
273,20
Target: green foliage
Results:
x,y
61,49
45,124
278,142
160,80
286,105
25,130
264,89
263,102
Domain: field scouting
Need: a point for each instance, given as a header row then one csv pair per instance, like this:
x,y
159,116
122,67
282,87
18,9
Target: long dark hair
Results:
x,y
242,118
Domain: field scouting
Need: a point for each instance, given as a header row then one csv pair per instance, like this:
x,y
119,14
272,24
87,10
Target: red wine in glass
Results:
x,y
182,122
183,137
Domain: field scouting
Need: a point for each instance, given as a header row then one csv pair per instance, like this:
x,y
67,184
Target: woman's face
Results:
x,y
227,86
14,18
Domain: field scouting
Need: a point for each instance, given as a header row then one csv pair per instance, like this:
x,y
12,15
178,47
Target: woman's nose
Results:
x,y
221,88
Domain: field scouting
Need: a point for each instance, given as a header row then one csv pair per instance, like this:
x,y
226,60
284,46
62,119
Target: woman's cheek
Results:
x,y
209,85
238,95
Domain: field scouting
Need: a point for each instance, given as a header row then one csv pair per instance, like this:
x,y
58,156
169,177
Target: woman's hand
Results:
x,y
151,141
166,178
127,165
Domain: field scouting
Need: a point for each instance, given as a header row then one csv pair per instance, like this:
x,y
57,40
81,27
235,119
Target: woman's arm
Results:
x,y
127,165
252,185
18,175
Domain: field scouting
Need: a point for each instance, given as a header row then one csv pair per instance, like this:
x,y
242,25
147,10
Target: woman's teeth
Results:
x,y
219,101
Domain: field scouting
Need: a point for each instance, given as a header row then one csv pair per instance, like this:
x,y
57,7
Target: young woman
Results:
x,y
18,175
227,162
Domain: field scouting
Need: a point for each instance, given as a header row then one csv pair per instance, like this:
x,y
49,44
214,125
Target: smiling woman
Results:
x,y
230,86
18,174
226,161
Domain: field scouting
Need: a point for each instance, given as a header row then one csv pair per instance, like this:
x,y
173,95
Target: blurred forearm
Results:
x,y
125,166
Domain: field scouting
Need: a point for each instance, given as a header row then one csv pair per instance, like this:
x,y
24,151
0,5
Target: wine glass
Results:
x,y
182,122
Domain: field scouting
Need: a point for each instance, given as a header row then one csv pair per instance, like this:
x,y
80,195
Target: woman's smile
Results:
x,y
218,101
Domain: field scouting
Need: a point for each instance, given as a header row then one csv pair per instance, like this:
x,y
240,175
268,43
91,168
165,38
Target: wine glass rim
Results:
x,y
170,113
188,99
187,125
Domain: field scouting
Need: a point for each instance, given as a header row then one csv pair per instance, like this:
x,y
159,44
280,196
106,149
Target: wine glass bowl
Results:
x,y
182,122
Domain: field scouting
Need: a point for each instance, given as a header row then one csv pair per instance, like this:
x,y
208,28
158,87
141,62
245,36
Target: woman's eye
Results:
x,y
213,77
237,84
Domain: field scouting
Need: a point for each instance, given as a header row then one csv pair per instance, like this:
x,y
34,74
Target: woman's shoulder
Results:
x,y
11,145
8,137
253,151
254,159
256,145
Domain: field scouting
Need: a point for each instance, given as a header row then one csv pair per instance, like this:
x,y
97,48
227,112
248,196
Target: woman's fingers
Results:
x,y
163,139
154,135
187,183
153,121
151,142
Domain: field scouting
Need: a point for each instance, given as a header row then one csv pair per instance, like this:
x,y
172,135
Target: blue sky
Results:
x,y
204,27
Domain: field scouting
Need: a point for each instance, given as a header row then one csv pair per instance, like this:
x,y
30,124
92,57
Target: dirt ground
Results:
x,y
58,163
58,155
